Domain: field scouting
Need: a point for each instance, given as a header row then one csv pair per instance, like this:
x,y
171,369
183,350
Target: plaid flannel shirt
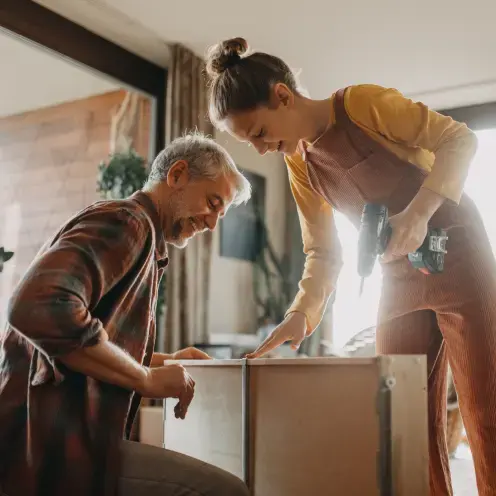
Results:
x,y
60,430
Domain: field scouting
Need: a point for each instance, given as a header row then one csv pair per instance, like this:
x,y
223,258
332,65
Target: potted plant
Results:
x,y
122,175
5,256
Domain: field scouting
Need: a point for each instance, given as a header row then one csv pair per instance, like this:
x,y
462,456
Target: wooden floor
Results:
x,y
462,473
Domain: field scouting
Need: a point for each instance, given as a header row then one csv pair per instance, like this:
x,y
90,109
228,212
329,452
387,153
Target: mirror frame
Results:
x,y
50,31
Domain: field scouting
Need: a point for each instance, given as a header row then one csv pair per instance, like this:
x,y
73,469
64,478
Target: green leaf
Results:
x,y
122,175
5,256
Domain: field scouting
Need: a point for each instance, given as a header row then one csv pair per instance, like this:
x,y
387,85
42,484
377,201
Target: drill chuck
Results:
x,y
373,237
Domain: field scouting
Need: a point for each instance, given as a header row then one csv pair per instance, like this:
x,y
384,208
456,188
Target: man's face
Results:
x,y
195,203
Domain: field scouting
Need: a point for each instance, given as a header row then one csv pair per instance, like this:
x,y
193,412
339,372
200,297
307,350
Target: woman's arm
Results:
x,y
320,245
322,265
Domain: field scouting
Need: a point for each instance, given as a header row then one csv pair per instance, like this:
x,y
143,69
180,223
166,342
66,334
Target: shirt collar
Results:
x,y
161,253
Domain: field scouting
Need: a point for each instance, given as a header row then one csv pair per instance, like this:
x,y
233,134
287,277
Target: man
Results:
x,y
77,354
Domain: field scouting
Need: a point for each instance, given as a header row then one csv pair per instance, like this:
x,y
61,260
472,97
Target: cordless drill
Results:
x,y
375,233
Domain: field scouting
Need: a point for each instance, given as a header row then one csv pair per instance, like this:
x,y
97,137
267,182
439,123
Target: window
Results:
x,y
353,313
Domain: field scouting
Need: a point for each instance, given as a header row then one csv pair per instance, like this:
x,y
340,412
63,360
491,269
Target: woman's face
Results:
x,y
275,128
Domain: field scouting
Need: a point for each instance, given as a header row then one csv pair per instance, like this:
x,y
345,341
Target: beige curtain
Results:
x,y
188,274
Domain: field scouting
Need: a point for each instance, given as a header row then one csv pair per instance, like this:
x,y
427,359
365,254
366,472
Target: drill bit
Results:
x,y
362,284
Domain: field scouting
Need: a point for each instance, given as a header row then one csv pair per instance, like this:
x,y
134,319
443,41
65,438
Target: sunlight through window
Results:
x,y
352,313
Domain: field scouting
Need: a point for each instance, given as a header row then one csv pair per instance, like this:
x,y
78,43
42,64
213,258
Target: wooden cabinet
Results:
x,y
310,427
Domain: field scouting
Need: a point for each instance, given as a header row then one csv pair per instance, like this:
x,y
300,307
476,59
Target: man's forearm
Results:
x,y
106,362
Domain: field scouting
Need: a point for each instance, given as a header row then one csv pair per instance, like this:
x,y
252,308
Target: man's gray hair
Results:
x,y
205,158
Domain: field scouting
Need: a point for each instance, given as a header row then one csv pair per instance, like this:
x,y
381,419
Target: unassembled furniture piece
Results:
x,y
310,426
363,344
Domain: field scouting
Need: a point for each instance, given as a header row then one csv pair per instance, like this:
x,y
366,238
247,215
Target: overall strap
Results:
x,y
360,140
301,149
342,118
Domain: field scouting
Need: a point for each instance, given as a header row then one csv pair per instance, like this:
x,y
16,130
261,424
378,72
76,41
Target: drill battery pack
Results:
x,y
429,258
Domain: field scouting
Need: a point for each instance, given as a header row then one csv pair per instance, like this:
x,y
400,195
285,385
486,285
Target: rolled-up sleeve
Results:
x,y
52,305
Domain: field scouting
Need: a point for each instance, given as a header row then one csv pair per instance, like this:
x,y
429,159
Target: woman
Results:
x,y
368,144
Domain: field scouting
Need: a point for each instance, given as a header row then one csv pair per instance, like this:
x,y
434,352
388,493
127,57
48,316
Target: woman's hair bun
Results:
x,y
224,55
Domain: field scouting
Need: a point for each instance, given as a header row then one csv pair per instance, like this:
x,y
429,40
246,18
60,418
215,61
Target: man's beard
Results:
x,y
176,208
176,230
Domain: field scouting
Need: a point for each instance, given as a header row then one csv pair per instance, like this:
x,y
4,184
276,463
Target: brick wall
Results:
x,y
48,168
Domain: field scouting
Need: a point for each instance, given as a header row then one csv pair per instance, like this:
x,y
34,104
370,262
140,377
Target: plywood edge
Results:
x,y
388,361
384,361
208,363
258,362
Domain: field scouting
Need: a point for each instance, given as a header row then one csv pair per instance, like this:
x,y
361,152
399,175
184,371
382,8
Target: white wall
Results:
x,y
232,307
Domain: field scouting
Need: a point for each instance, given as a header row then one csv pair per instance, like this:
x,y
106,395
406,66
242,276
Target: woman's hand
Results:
x,y
410,226
293,328
408,234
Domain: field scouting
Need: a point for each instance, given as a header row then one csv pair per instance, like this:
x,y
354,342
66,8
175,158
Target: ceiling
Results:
x,y
37,78
441,52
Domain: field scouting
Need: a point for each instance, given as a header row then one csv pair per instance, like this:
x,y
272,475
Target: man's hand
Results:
x,y
190,354
158,359
169,381
293,328
172,380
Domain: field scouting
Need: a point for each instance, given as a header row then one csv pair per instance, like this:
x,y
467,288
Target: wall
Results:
x,y
48,168
232,307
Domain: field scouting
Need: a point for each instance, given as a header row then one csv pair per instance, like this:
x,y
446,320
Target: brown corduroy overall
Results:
x,y
444,316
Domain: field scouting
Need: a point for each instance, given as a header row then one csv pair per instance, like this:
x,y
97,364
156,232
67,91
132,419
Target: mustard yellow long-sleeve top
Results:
x,y
441,146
